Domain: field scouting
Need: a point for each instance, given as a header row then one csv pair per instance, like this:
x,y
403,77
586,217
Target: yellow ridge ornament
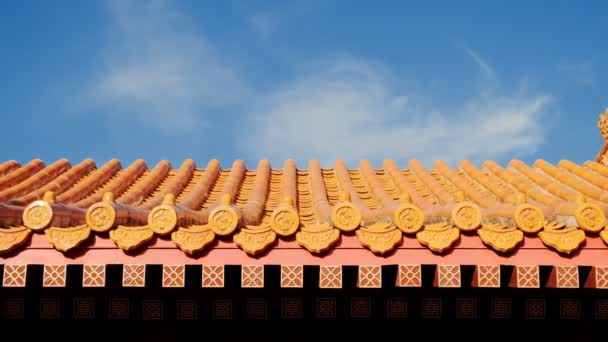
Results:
x,y
163,218
589,216
285,219
39,214
225,218
528,218
344,215
101,216
408,217
465,215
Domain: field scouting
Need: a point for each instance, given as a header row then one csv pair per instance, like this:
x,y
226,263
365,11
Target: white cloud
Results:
x,y
159,69
483,65
350,110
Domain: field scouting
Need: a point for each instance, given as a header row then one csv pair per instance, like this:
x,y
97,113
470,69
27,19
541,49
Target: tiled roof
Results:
x,y
190,207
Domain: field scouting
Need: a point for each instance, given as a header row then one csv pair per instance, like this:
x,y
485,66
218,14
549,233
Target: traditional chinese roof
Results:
x,y
558,204
379,214
602,124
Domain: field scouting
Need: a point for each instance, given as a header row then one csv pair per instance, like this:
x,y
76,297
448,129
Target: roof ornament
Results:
x,y
344,215
438,237
500,237
163,218
49,197
39,214
254,239
589,216
380,237
528,218
285,219
225,218
56,220
563,239
103,216
465,215
318,238
602,124
12,238
130,238
193,239
67,238
408,217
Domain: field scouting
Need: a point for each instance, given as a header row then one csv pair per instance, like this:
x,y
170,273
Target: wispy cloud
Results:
x,y
483,65
350,110
157,68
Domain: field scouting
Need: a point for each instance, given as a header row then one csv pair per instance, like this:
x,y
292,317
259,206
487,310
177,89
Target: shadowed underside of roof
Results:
x,y
191,208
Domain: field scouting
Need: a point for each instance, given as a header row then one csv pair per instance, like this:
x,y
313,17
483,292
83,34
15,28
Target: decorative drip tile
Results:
x,y
488,276
527,277
93,275
134,275
567,277
292,276
330,277
174,275
213,276
369,276
252,276
14,275
448,276
601,277
54,276
409,276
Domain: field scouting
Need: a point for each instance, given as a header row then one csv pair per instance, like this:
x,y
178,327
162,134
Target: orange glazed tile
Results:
x,y
54,275
174,275
448,276
578,191
213,276
330,277
133,275
93,275
488,276
252,276
292,276
369,276
14,275
409,276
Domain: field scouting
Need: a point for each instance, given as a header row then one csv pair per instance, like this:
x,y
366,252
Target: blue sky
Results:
x,y
303,80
